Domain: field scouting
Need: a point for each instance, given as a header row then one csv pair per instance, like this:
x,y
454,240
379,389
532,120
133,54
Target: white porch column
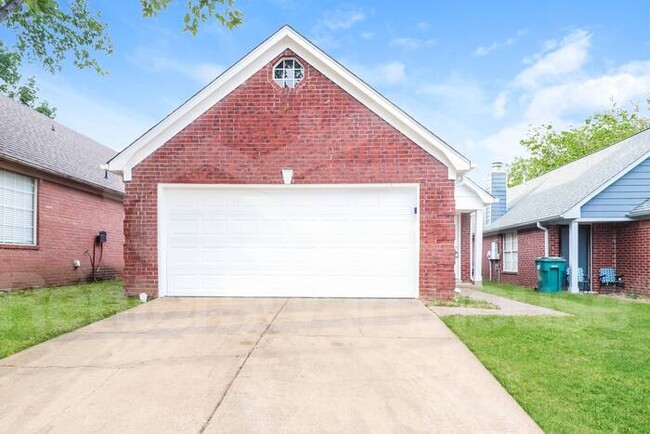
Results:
x,y
478,248
458,246
573,256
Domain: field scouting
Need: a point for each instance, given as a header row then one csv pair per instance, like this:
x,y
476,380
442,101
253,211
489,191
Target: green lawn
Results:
x,y
581,374
30,317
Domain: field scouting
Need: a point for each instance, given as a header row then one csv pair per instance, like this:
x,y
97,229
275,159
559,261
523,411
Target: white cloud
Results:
x,y
201,72
367,35
628,82
411,43
569,56
503,145
422,26
496,45
329,30
556,87
342,18
499,105
391,73
484,51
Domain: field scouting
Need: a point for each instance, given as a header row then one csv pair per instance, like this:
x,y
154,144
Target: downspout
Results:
x,y
545,238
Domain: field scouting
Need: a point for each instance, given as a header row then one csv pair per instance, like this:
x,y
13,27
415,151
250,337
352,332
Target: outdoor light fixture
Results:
x,y
287,174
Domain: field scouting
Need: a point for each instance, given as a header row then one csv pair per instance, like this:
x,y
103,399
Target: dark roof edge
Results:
x,y
98,187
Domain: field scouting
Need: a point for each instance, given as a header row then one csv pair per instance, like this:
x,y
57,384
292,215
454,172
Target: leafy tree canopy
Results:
x,y
13,85
548,148
47,32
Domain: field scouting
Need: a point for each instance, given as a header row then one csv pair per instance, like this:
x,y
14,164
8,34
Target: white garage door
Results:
x,y
289,241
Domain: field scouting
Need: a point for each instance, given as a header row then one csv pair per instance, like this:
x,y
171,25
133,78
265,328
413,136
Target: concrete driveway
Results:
x,y
257,365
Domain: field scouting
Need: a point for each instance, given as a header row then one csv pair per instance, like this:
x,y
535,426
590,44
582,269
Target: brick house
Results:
x,y
54,201
594,212
289,176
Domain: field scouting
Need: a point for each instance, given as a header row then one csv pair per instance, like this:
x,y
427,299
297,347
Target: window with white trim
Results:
x,y
17,209
510,252
288,73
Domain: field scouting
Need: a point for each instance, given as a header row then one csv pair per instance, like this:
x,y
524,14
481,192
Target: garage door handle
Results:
x,y
415,210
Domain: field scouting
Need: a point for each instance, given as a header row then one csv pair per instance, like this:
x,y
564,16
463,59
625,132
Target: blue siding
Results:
x,y
628,192
497,188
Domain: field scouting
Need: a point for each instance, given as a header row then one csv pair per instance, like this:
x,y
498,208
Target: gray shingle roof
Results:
x,y
549,196
32,139
641,211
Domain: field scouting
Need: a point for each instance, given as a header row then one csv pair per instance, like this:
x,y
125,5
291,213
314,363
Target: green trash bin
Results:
x,y
551,274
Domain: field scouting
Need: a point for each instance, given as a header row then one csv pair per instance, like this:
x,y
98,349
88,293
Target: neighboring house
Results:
x,y
370,211
54,200
596,211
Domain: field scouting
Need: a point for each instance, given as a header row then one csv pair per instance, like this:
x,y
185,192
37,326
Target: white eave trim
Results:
x,y
285,38
483,195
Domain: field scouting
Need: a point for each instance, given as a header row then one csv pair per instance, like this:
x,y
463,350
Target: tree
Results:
x,y
49,31
549,148
12,84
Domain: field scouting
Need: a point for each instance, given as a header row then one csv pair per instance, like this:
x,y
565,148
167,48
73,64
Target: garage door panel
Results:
x,y
183,255
356,241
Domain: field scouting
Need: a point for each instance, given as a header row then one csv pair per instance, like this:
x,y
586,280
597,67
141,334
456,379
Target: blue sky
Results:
x,y
476,73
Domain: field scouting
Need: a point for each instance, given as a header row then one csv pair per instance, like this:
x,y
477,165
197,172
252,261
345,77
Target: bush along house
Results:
x,y
593,212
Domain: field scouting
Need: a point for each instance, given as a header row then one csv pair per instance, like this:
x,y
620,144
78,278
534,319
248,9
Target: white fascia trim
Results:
x,y
575,212
286,38
483,195
604,220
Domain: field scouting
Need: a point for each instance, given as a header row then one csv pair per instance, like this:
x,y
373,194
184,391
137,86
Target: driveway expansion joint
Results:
x,y
241,366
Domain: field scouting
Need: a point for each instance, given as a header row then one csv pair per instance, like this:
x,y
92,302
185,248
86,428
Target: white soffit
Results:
x,y
285,38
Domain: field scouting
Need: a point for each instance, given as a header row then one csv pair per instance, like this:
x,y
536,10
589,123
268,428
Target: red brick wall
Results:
x,y
531,246
553,240
633,255
487,245
68,220
466,245
318,130
622,246
603,250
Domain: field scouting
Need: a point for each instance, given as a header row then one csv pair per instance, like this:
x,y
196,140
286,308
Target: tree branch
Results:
x,y
8,8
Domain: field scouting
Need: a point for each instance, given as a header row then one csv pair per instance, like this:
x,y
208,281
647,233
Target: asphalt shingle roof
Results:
x,y
640,211
30,138
549,196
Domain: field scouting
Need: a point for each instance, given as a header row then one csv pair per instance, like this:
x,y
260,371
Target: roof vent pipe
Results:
x,y
545,238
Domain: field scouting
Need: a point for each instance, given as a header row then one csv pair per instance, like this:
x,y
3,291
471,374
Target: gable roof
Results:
x,y
275,45
560,193
34,140
469,196
641,211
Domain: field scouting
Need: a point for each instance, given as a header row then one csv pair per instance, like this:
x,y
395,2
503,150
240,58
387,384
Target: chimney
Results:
x,y
497,188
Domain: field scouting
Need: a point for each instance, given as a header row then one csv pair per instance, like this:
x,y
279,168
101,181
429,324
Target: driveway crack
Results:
x,y
229,386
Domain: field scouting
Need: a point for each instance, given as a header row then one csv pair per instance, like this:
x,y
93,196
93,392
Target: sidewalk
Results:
x,y
507,307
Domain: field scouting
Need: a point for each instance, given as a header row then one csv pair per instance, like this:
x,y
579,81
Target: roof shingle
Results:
x,y
30,138
641,211
549,196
